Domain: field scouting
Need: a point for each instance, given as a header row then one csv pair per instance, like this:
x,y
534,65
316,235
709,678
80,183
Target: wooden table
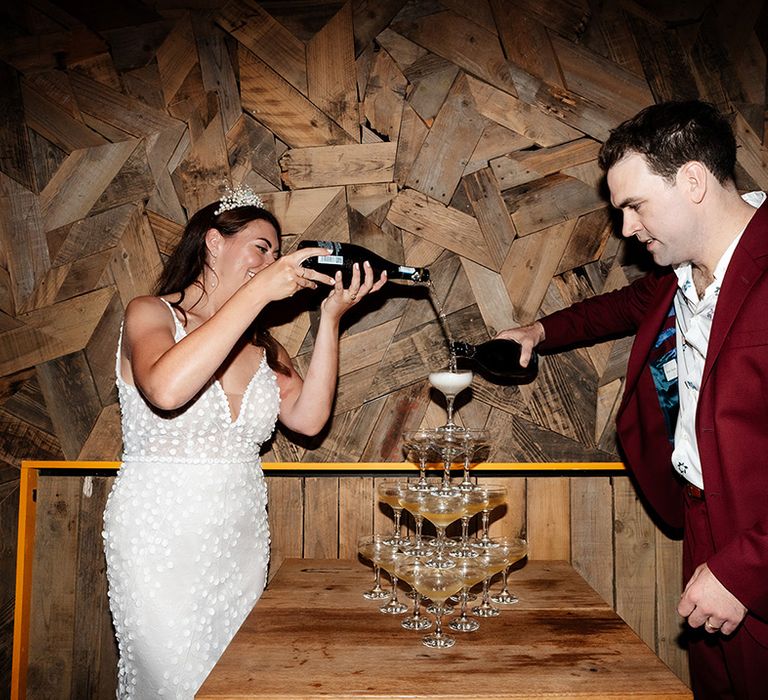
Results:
x,y
312,635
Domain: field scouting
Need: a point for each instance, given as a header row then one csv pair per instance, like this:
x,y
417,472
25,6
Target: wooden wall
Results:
x,y
455,134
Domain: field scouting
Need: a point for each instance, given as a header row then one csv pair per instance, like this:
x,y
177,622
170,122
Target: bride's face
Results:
x,y
241,256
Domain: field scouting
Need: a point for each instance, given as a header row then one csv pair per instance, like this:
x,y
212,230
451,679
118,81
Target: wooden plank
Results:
x,y
325,166
608,401
331,76
753,155
413,131
252,147
669,577
587,241
431,78
526,42
23,240
618,91
495,141
548,525
204,168
370,18
321,517
592,532
469,46
80,181
30,54
449,144
568,18
285,509
132,183
127,114
90,235
257,30
55,123
367,198
403,51
217,71
51,638
176,57
355,513
101,349
164,199
367,347
491,213
14,138
331,223
531,205
492,297
518,168
136,261
94,657
297,210
529,267
282,108
664,60
385,92
541,128
447,227
635,561
608,33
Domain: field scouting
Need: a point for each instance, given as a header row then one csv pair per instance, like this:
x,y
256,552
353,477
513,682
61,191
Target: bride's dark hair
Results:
x,y
186,264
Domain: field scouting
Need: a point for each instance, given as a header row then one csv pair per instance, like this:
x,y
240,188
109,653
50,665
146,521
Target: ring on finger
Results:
x,y
353,296
710,626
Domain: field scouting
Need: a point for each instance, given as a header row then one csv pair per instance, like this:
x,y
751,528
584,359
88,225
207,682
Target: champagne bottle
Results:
x,y
498,360
344,255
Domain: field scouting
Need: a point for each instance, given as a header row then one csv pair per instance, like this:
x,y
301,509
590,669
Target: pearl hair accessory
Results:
x,y
242,196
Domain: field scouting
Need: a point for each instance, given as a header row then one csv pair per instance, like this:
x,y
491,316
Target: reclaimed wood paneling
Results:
x,y
459,138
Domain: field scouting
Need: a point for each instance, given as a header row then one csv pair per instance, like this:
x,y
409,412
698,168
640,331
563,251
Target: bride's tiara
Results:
x,y
242,196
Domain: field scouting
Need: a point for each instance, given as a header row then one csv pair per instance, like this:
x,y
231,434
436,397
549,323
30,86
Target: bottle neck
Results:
x,y
463,349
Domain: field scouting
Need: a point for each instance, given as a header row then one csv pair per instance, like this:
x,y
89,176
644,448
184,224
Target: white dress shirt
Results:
x,y
694,325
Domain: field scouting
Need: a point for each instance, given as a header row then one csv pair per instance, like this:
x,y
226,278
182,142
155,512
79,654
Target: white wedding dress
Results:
x,y
186,536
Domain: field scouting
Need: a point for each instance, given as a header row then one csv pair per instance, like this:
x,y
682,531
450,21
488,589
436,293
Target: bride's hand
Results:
x,y
286,276
340,300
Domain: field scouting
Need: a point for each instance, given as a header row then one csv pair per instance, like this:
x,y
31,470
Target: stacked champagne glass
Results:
x,y
439,568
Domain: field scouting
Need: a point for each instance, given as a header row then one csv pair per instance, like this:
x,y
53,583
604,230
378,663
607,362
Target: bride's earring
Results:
x,y
213,269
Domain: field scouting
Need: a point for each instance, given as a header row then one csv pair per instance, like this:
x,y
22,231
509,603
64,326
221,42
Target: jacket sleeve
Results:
x,y
611,315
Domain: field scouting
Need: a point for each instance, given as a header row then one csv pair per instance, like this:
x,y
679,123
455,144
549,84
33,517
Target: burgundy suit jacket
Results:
x,y
732,415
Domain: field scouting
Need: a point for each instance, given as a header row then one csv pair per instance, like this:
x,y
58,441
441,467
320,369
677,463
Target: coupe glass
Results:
x,y
474,443
438,585
518,549
406,570
471,573
450,384
389,556
441,508
420,443
367,547
475,501
497,496
494,559
450,446
389,492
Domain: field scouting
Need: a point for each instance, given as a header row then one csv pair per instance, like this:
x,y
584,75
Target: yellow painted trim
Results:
x,y
24,558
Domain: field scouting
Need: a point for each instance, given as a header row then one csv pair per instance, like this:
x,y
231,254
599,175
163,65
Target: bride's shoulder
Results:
x,y
148,310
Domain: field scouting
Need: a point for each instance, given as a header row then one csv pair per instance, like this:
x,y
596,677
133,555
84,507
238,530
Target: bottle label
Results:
x,y
330,259
406,270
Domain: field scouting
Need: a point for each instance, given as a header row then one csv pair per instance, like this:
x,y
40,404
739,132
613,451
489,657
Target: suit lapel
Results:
x,y
647,334
745,269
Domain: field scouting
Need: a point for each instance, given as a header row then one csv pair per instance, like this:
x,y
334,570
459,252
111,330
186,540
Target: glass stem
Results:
x,y
438,621
422,472
396,533
419,525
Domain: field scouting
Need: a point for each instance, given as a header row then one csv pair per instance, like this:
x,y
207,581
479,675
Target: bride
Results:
x,y
201,386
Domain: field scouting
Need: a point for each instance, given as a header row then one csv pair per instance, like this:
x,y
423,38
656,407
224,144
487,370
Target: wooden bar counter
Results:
x,y
312,635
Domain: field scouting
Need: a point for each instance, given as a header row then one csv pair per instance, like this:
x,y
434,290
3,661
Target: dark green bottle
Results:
x,y
344,255
498,360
